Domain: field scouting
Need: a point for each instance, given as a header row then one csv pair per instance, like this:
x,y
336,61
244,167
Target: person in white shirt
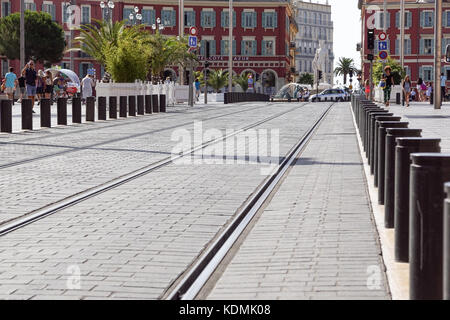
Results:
x,y
87,84
443,83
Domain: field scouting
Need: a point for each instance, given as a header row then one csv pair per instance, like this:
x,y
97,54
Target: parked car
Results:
x,y
329,95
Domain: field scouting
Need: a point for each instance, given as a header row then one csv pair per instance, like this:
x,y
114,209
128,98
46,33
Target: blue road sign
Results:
x,y
383,55
192,41
382,45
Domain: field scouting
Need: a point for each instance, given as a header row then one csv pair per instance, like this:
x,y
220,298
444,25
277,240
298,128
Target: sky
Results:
x,y
347,28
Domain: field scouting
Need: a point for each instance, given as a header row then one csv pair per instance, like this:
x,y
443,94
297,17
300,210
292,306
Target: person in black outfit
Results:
x,y
21,81
389,80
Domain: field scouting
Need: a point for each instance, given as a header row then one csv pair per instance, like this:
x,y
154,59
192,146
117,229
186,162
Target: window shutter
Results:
x,y
212,48
409,46
202,19
408,19
263,48
222,47
421,72
222,19
213,19
397,47
152,17
243,48
193,18
378,20
202,47
275,19
254,19
254,48
173,18
243,19
422,18
432,46
264,19
444,21
388,20
234,18
421,50
397,19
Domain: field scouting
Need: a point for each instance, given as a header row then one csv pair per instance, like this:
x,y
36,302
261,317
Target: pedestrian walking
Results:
x,y
40,86
388,83
10,84
367,88
407,89
443,83
22,89
429,91
48,85
197,89
419,90
299,95
413,94
86,87
31,81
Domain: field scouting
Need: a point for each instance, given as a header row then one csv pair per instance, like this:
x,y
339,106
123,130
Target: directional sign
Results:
x,y
383,55
192,41
382,45
382,36
193,31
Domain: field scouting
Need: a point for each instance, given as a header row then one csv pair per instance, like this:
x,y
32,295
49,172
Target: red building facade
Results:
x,y
264,32
419,35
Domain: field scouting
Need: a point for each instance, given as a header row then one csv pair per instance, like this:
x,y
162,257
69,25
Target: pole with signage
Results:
x,y
437,55
193,46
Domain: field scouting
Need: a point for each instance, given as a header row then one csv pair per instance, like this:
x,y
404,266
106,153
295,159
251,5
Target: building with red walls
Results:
x,y
419,35
264,32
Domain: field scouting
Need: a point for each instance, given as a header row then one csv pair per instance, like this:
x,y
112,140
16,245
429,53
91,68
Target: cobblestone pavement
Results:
x,y
135,240
88,158
434,123
316,238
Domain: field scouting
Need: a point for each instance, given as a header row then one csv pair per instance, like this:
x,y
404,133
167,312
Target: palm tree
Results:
x,y
242,81
344,67
218,79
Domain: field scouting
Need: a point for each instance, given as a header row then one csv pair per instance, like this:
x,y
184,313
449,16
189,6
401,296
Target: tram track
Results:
x,y
35,215
190,284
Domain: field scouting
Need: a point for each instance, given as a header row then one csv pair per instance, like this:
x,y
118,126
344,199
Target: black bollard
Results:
x,y
46,113
429,172
446,265
6,116
369,129
27,114
372,134
61,106
379,174
113,107
405,147
123,107
374,151
90,109
148,103
155,105
101,108
132,106
162,103
140,105
76,110
389,172
364,127
398,98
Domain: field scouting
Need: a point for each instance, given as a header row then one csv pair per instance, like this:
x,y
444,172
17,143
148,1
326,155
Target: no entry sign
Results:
x,y
382,36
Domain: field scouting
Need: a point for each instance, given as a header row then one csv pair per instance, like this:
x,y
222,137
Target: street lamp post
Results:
x,y
135,17
402,34
108,6
22,33
437,54
230,47
158,26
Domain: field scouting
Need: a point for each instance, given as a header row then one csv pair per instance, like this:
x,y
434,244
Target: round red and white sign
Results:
x,y
193,31
382,36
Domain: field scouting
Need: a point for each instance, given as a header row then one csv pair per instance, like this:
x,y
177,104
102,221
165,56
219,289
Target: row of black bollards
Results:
x,y
128,106
410,173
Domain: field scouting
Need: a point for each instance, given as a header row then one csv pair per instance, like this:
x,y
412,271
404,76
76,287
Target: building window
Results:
x,y
126,14
408,19
268,47
427,19
84,66
446,20
269,20
208,19
224,47
148,16
30,6
212,47
427,73
407,45
379,20
248,48
189,19
50,9
85,14
6,9
168,18
225,19
426,46
65,14
249,19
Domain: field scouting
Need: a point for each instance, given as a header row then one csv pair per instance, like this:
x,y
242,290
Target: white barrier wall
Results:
x,y
379,95
114,89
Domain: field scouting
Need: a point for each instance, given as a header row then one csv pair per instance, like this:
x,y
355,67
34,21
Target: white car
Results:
x,y
330,95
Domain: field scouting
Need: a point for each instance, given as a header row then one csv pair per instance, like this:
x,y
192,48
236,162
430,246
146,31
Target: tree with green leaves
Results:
x,y
218,79
306,78
344,67
242,81
44,38
397,72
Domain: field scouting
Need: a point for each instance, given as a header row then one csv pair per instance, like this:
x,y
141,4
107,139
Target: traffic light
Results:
x,y
320,75
351,73
371,39
370,57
